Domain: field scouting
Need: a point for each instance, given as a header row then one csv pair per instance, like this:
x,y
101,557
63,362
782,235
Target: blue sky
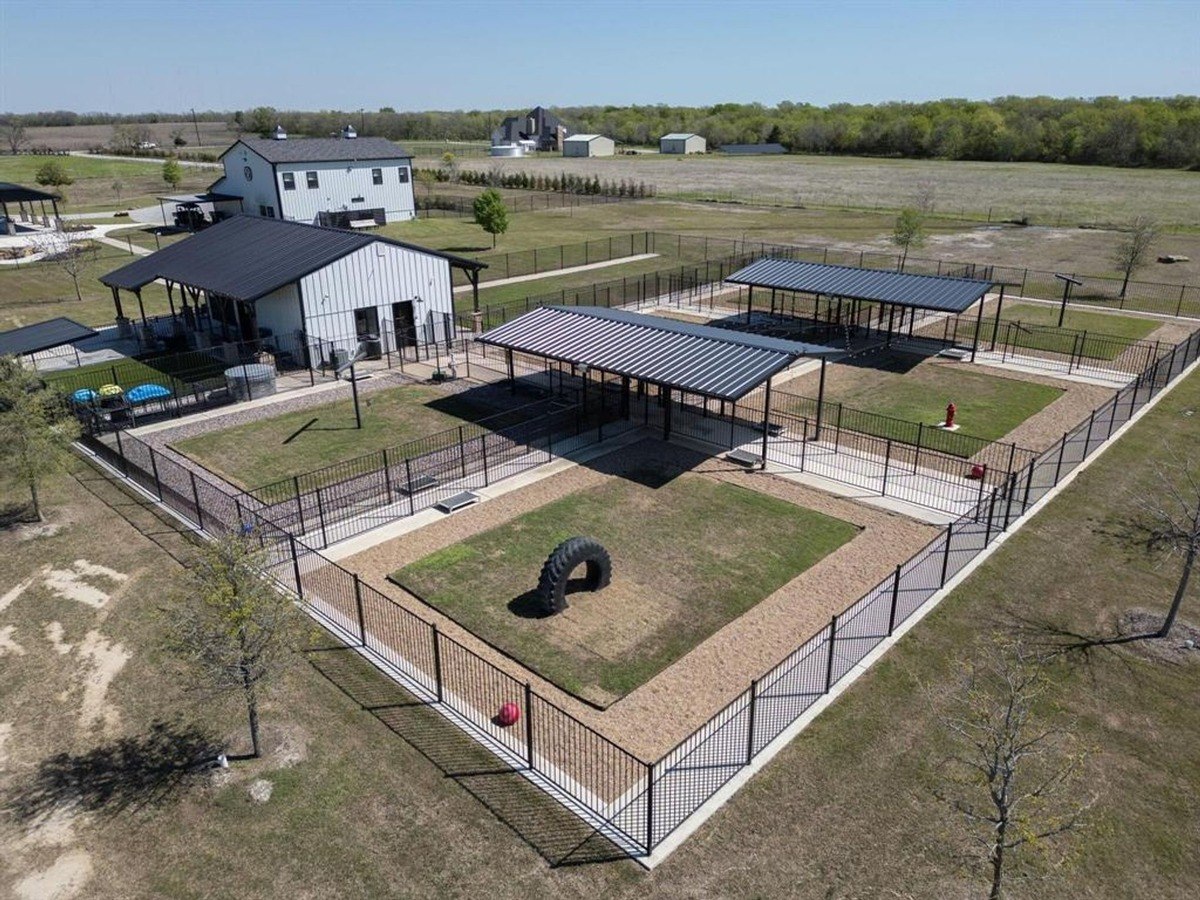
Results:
x,y
214,54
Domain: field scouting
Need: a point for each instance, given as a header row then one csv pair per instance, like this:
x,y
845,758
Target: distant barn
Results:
x,y
682,143
589,145
753,149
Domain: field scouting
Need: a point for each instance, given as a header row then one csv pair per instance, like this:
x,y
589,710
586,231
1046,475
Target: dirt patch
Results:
x,y
34,532
65,878
8,644
106,660
6,729
14,592
654,716
54,634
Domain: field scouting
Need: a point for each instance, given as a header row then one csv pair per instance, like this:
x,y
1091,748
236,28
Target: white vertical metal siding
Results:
x,y
258,191
279,311
377,275
341,182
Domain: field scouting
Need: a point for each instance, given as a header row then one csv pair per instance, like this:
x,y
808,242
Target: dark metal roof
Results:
x,y
42,336
921,291
16,193
245,257
302,150
207,197
700,359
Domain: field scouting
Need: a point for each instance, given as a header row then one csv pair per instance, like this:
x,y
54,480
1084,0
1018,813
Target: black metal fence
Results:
x,y
463,207
633,802
514,263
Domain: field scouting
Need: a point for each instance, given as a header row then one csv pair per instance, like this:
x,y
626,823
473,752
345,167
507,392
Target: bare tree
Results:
x,y
925,196
1133,251
230,623
14,134
36,430
909,231
73,258
1168,521
1013,780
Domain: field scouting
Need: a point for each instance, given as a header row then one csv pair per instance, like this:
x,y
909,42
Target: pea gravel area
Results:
x,y
655,716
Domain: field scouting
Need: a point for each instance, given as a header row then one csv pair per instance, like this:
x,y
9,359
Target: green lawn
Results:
x,y
988,407
279,447
1097,326
691,547
127,373
94,180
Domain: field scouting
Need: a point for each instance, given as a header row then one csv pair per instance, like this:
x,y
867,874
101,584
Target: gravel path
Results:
x,y
658,714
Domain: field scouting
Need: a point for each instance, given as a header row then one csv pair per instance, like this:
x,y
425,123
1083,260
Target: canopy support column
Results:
x,y
137,292
749,302
665,395
766,431
996,324
978,328
116,292
512,378
820,400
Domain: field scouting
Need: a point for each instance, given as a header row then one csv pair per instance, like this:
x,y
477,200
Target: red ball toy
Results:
x,y
508,715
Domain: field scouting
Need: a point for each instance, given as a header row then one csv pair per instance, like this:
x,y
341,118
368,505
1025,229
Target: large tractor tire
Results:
x,y
552,585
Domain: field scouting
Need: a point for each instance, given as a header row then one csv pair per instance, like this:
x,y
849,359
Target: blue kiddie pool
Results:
x,y
144,393
84,395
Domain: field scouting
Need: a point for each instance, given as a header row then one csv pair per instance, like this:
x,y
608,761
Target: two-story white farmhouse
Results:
x,y
344,182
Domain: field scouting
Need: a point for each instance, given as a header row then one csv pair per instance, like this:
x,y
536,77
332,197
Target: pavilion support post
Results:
x,y
820,401
666,401
512,378
891,322
996,323
766,431
624,396
116,292
137,292
474,276
978,328
772,302
162,210
749,303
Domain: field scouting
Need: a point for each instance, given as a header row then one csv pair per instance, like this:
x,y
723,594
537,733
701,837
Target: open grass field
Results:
x,y
1048,194
213,135
689,555
989,406
277,447
94,180
358,771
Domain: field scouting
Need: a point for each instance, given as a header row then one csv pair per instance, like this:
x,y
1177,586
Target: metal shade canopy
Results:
x,y
937,292
699,359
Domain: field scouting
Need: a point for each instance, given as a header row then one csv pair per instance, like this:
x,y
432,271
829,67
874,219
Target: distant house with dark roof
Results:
x,y
342,182
538,125
251,278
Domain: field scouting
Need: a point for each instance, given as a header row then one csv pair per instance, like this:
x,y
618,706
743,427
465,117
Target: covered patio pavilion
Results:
x,y
712,363
210,198
20,195
850,291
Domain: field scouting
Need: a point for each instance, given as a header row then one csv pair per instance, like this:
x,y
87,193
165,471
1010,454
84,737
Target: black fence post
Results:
x,y
121,454
750,729
154,471
1087,443
887,461
408,481
829,661
321,519
437,662
462,452
946,558
649,807
299,502
1062,451
387,475
196,498
895,600
529,725
358,605
296,567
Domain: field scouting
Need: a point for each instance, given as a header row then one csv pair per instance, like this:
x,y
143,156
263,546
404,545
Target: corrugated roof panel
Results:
x,y
42,336
245,257
700,359
921,291
302,150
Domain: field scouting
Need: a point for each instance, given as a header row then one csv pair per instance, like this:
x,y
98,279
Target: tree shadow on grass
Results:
x,y
131,773
150,520
557,835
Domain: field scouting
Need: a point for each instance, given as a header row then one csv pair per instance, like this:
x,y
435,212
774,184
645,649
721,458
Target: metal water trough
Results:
x,y
418,484
744,458
458,501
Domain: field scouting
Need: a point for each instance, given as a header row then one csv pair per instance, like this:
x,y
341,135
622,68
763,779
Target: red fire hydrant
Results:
x,y
951,409
508,715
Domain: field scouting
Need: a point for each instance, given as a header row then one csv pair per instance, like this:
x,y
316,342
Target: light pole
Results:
x,y
1067,281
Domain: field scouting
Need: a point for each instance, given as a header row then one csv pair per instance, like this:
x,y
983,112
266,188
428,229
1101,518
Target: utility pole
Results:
x,y
196,125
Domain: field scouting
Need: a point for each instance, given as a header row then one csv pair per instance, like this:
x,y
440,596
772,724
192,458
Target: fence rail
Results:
x,y
635,802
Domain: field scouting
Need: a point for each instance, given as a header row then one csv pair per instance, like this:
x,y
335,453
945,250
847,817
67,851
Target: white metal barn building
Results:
x,y
589,145
342,182
682,143
252,279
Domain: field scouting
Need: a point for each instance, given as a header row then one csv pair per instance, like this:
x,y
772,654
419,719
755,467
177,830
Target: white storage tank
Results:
x,y
506,150
251,381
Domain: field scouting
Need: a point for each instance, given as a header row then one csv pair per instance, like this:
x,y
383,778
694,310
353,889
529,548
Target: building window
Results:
x,y
289,181
268,211
262,210
377,176
312,180
403,175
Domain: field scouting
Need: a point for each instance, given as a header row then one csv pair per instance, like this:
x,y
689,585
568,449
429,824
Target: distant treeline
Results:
x,y
1101,131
